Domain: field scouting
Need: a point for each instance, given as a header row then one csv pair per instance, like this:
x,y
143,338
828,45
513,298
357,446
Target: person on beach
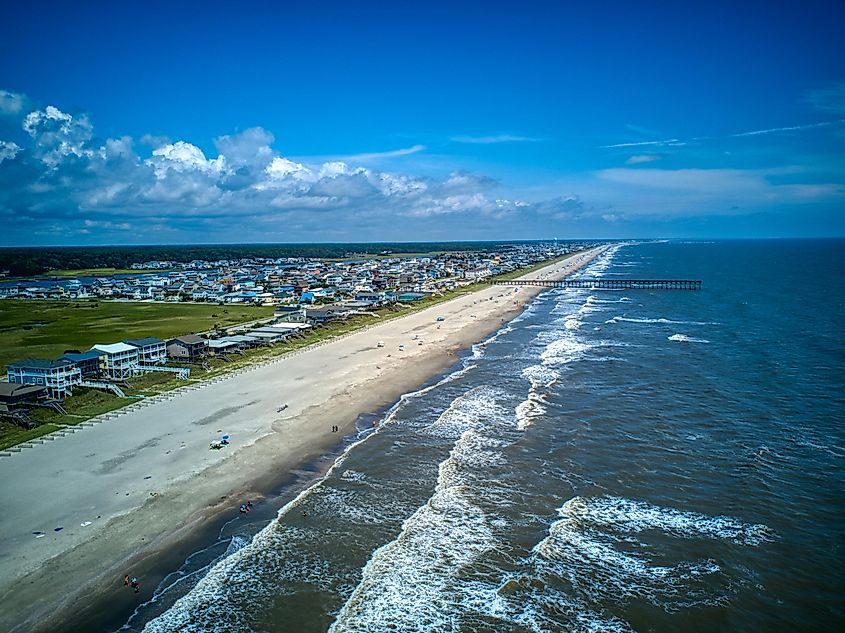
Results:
x,y
126,580
136,587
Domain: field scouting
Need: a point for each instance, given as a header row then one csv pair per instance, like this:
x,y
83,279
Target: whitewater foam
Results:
x,y
443,536
593,548
683,338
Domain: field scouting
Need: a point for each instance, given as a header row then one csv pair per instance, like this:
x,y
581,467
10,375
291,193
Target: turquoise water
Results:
x,y
610,461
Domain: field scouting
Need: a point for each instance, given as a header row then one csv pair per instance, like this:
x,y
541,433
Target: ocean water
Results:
x,y
609,461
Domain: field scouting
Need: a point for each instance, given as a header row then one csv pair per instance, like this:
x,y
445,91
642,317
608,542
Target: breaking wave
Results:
x,y
683,338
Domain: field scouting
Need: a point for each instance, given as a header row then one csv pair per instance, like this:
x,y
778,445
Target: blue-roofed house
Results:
x,y
90,363
58,376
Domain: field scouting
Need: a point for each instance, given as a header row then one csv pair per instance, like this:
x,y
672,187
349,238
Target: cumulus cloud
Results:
x,y
250,147
8,150
65,178
58,135
59,179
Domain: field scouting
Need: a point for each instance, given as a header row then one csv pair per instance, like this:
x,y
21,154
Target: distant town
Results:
x,y
306,292
266,281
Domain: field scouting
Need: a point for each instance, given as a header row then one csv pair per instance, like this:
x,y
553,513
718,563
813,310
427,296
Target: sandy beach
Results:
x,y
124,490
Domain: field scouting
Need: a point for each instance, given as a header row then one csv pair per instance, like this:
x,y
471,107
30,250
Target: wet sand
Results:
x,y
128,490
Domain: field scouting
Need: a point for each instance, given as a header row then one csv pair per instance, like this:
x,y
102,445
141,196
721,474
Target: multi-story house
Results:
x,y
58,376
120,360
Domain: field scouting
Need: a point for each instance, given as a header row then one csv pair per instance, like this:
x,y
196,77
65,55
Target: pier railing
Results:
x,y
607,284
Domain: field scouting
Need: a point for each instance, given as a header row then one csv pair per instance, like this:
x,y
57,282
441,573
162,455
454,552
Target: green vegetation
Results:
x,y
46,329
103,272
11,434
40,260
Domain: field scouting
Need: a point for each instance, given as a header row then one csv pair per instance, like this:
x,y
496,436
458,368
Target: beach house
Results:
x,y
58,376
13,396
151,350
90,363
189,347
120,360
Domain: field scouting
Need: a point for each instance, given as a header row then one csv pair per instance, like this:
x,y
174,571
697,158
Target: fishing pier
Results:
x,y
607,284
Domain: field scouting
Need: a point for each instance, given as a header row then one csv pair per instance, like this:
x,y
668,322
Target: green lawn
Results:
x,y
45,329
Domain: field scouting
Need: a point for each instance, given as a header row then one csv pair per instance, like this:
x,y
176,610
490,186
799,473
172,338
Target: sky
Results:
x,y
220,122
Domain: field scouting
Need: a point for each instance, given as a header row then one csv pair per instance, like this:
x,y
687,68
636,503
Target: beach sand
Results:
x,y
126,490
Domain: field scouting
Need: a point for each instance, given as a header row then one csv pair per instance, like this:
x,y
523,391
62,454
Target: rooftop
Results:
x,y
76,357
190,339
8,389
115,348
41,363
143,342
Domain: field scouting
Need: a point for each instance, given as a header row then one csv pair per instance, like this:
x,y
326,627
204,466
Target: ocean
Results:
x,y
608,461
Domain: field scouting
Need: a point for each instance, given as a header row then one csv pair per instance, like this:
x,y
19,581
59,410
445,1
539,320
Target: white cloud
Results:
x,y
250,147
282,168
496,138
181,156
337,168
63,180
390,154
8,150
58,135
642,158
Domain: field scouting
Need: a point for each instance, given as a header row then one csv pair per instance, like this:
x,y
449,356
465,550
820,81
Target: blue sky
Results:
x,y
155,123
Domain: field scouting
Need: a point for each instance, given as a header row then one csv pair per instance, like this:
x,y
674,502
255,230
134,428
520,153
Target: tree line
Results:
x,y
27,261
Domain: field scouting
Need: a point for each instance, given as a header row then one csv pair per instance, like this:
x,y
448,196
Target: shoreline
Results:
x,y
43,580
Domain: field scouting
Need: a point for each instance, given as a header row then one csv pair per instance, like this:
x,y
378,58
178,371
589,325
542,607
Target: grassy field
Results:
x,y
45,329
72,273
